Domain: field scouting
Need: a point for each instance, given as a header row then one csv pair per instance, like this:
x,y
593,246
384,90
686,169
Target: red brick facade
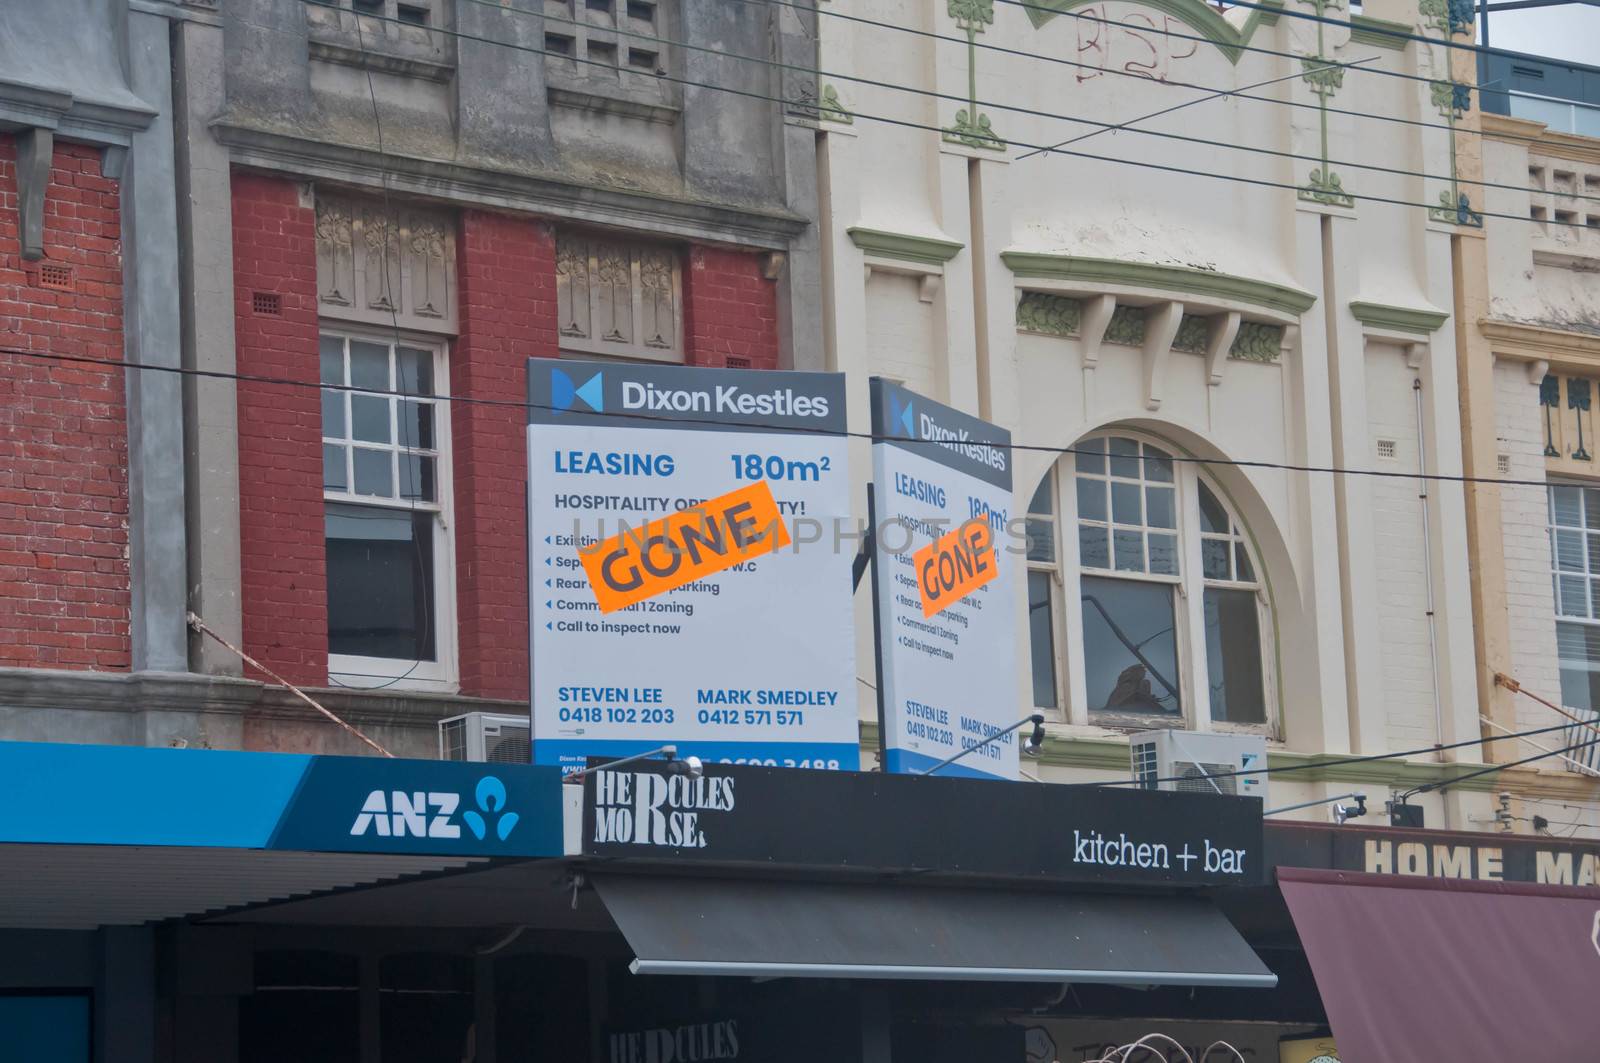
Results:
x,y
507,311
281,547
64,600
507,268
730,310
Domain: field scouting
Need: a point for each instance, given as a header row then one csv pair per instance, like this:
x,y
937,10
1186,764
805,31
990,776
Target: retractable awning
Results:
x,y
703,926
1427,968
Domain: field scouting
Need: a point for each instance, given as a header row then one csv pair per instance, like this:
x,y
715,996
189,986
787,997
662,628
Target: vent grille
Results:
x,y
1192,777
738,363
268,304
1503,463
453,740
53,275
1386,449
507,744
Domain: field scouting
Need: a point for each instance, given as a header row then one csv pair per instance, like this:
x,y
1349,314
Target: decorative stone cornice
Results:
x,y
1379,33
1544,142
550,194
1177,280
1399,318
902,247
161,708
1563,349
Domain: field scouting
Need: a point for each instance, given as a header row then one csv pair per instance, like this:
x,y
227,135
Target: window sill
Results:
x,y
601,104
381,674
387,63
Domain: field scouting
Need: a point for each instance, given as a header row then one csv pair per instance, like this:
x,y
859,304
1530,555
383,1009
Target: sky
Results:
x,y
1571,32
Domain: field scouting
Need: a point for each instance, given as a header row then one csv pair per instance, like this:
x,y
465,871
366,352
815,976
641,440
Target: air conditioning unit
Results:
x,y
486,736
1191,762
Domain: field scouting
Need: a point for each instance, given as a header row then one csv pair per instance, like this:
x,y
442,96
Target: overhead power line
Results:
x,y
1370,758
1166,32
475,400
1130,125
1445,784
1258,182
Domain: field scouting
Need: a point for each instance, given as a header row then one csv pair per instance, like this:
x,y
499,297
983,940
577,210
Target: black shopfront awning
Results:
x,y
766,928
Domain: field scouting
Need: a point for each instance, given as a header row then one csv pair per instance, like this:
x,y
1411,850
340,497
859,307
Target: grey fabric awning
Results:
x,y
831,930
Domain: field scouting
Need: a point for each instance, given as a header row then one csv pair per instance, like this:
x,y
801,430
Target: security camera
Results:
x,y
1034,744
1356,811
691,766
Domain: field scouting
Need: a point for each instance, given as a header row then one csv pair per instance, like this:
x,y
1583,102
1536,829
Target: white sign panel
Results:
x,y
751,665
947,680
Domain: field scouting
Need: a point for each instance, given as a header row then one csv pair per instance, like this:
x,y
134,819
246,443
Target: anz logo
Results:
x,y
429,814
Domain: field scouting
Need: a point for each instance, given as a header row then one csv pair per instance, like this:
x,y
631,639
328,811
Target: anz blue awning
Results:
x,y
100,835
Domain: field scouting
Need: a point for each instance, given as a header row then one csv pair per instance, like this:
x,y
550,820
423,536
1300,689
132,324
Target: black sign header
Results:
x,y
897,823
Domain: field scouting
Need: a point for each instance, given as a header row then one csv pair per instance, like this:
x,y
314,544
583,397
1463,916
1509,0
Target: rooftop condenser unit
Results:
x,y
486,736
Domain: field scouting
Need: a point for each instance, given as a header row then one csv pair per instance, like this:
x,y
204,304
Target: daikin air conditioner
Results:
x,y
1190,762
485,736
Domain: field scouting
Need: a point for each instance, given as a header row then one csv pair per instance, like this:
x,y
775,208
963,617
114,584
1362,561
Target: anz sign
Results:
x,y
431,813
444,808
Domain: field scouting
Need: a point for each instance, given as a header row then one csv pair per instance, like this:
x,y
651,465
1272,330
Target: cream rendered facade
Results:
x,y
1297,320
1528,326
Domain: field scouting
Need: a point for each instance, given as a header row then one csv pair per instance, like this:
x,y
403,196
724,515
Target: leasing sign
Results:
x,y
945,589
681,587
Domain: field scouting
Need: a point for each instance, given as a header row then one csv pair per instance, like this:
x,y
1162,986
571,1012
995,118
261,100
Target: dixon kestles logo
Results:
x,y
902,415
430,814
563,392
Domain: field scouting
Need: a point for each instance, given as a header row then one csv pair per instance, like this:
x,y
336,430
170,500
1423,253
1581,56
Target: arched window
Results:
x,y
1169,626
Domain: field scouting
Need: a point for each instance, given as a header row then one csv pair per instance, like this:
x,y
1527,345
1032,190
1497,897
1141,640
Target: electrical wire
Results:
x,y
1287,12
1142,77
1370,758
906,123
1100,126
1444,784
1277,466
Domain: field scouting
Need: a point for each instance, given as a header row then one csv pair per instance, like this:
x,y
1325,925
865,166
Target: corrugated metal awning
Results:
x,y
79,887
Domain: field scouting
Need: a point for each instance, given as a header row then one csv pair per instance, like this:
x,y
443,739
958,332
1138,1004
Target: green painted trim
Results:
x,y
1111,754
1399,318
1380,32
1196,14
924,250
1183,279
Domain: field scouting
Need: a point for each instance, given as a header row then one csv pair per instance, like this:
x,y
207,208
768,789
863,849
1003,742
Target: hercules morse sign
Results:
x,y
668,506
745,815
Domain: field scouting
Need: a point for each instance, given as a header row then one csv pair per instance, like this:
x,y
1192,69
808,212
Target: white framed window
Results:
x,y
386,500
1235,615
1575,562
1044,594
1171,624
1127,535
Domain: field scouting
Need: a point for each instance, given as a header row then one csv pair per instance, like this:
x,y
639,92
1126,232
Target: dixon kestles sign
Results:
x,y
667,583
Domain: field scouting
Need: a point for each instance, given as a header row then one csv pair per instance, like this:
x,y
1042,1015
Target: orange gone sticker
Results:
x,y
955,565
642,562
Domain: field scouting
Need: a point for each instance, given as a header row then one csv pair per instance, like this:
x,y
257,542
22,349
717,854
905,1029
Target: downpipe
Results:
x,y
1427,567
